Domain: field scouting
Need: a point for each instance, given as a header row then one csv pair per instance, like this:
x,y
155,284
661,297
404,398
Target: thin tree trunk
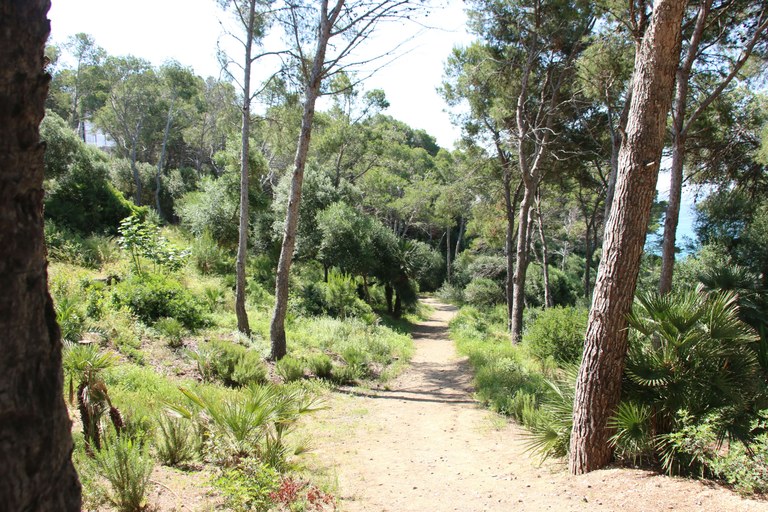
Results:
x,y
448,252
548,302
35,430
521,265
161,161
277,326
245,136
134,168
462,226
616,141
598,386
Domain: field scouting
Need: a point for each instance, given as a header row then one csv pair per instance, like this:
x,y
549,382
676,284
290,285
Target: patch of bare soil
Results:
x,y
425,445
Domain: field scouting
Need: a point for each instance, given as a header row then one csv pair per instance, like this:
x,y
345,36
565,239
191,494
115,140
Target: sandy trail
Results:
x,y
426,445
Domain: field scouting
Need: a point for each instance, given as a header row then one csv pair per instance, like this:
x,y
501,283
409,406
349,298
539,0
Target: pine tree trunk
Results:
x,y
245,138
548,301
161,161
312,91
462,226
35,439
598,386
521,266
448,252
134,168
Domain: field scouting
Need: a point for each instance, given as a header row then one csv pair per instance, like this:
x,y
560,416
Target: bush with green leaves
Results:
x,y
175,440
232,364
253,423
249,486
290,369
506,378
691,363
483,292
337,298
142,239
152,296
127,466
171,330
557,333
320,365
78,193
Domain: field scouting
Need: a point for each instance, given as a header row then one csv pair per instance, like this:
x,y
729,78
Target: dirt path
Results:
x,y
425,445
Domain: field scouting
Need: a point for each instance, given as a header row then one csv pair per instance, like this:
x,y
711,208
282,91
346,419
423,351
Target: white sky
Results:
x,y
188,31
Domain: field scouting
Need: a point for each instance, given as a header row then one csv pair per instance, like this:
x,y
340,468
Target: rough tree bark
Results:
x,y
311,92
245,137
35,438
598,386
681,123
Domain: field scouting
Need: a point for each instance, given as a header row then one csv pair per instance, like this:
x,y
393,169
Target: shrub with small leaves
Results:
x,y
127,466
290,369
176,441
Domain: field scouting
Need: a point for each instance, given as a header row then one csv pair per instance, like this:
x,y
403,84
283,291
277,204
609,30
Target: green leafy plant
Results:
x,y
172,330
249,486
176,441
557,333
691,363
153,296
290,369
143,240
84,364
127,466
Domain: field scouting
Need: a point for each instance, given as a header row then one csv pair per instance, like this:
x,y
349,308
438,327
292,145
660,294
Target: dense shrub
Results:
x,y
483,292
558,333
154,296
78,193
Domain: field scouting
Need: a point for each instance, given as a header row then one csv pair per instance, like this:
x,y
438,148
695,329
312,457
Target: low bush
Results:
x,y
558,333
248,486
320,365
127,466
153,296
290,369
171,330
176,440
483,292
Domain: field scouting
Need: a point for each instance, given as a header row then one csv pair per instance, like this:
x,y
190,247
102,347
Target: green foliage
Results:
x,y
290,369
232,364
209,257
172,330
506,379
372,350
127,466
143,240
212,209
176,441
632,438
153,296
558,333
691,364
337,298
250,424
483,292
551,425
66,245
320,365
247,487
78,194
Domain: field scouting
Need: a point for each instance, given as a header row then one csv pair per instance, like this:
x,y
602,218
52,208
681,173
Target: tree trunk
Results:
x,y
598,386
548,301
161,161
134,169
448,252
462,226
312,90
521,266
672,216
509,209
35,438
245,137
